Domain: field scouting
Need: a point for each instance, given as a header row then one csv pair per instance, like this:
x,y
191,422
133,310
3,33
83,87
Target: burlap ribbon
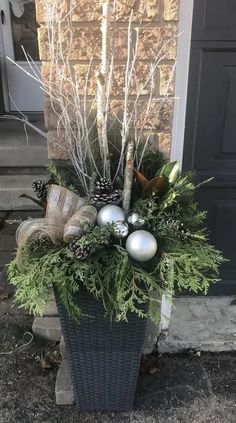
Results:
x,y
66,217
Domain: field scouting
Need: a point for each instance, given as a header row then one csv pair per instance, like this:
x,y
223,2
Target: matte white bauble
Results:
x,y
141,246
121,230
110,214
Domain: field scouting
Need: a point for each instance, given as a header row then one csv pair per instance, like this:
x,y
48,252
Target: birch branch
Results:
x,y
128,176
102,104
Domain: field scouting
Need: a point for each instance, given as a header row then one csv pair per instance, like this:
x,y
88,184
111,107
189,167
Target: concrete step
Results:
x,y
15,133
48,328
63,348
64,389
12,186
22,145
7,243
23,156
51,307
6,257
201,324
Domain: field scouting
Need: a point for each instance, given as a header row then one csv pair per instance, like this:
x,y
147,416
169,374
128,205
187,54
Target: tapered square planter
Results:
x,y
104,356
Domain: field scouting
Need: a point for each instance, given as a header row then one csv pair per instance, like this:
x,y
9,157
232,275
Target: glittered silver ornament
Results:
x,y
110,214
141,246
135,220
121,230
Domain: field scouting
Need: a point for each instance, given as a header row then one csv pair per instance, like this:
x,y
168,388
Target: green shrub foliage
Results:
x,y
185,261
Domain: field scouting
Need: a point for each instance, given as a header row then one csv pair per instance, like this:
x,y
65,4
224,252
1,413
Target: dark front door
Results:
x,y
210,137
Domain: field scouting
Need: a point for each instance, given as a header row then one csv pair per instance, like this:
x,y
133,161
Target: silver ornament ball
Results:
x,y
121,230
141,246
135,220
110,214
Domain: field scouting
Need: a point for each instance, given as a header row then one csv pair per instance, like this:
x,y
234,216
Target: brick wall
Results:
x,y
159,24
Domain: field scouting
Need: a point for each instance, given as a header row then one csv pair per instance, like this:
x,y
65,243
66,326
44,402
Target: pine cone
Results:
x,y
102,199
184,233
103,185
103,193
40,189
81,253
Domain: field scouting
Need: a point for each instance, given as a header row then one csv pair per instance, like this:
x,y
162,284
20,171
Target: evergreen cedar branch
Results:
x,y
185,260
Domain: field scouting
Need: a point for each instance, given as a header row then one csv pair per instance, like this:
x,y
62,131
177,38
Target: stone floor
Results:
x,y
184,388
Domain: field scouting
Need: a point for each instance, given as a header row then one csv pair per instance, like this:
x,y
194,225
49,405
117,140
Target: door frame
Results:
x,y
7,49
4,74
179,117
181,81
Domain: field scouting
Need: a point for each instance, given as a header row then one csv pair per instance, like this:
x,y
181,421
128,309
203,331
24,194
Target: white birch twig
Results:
x,y
128,176
102,103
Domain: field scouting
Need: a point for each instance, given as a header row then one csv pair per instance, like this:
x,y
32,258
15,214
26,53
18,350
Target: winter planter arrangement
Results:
x,y
107,268
121,228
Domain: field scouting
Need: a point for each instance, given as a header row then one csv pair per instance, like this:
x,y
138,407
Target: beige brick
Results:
x,y
171,10
153,42
56,146
167,80
139,82
117,109
86,76
50,116
86,42
142,9
158,41
76,43
81,41
43,44
61,39
79,76
157,117
150,138
164,144
140,74
89,10
120,44
60,9
60,78
49,73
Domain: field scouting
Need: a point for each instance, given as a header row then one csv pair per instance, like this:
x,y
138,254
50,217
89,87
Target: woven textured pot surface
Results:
x,y
104,357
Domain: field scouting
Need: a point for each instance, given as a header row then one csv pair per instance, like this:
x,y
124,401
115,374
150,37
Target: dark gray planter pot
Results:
x,y
104,357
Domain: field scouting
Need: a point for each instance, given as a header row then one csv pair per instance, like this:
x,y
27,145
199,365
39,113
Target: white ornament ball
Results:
x,y
141,246
121,230
110,214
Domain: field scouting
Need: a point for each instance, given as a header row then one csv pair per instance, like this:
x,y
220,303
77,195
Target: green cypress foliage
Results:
x,y
185,261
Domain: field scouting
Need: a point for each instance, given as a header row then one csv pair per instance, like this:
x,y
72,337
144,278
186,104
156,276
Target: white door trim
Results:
x,y
15,80
182,72
181,93
3,67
